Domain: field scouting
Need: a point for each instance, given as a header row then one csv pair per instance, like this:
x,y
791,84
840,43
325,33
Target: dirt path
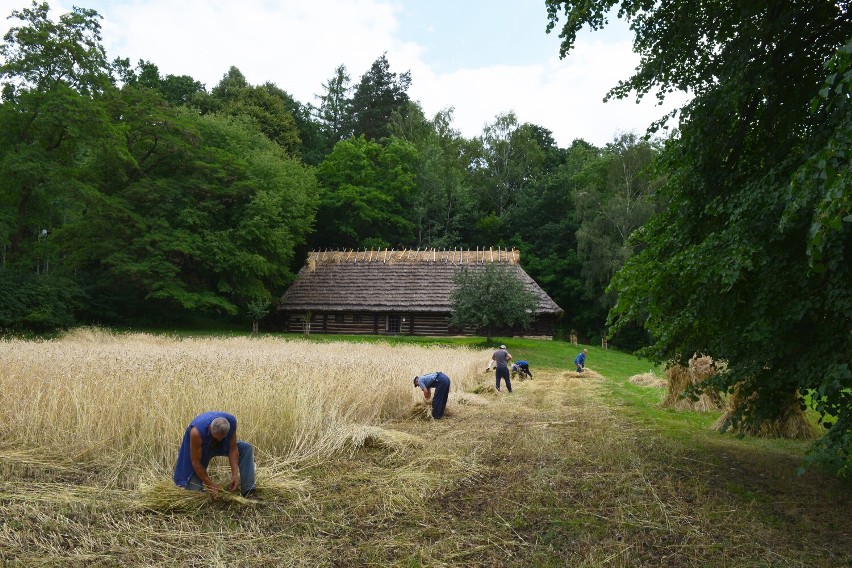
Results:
x,y
547,476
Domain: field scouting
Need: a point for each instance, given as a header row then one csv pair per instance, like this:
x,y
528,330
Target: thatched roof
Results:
x,y
411,281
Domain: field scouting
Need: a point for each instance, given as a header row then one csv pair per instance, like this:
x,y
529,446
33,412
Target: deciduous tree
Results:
x,y
491,296
726,269
366,193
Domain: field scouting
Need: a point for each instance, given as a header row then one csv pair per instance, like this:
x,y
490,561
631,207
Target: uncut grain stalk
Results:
x,y
119,404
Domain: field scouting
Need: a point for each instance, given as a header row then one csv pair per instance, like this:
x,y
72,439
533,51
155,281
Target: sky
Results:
x,y
480,57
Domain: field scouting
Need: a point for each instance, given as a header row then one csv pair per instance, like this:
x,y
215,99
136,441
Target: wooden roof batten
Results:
x,y
456,256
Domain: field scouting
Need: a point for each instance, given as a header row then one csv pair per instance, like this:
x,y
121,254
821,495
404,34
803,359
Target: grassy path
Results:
x,y
554,474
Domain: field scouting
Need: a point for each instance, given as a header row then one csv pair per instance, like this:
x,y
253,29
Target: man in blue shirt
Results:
x,y
441,383
214,434
580,361
523,368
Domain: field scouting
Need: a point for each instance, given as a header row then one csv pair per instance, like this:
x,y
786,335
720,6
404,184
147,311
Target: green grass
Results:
x,y
540,353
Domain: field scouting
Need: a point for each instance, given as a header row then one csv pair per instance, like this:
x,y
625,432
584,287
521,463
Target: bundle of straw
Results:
x,y
164,496
790,423
701,368
648,380
362,436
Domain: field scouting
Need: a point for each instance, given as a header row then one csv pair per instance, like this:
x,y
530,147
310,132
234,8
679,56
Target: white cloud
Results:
x,y
563,96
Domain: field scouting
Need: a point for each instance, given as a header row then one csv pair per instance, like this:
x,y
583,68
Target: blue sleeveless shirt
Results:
x,y
183,467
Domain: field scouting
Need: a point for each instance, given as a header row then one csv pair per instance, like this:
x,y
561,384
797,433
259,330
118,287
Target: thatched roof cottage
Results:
x,y
395,292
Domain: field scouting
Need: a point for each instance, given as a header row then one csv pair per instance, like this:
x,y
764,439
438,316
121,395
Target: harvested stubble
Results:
x,y
648,380
123,401
484,388
680,378
791,424
469,399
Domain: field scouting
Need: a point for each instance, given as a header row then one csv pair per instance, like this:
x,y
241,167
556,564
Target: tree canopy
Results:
x,y
749,259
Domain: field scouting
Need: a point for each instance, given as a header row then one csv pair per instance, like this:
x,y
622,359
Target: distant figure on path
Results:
x,y
214,434
580,361
441,383
522,367
501,358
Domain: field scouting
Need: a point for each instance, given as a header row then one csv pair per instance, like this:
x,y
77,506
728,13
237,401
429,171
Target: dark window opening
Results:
x,y
393,324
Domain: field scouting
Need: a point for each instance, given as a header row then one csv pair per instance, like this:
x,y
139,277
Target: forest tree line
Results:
x,y
128,196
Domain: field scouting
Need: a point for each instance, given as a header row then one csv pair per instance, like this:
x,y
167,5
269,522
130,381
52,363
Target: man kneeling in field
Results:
x,y
208,435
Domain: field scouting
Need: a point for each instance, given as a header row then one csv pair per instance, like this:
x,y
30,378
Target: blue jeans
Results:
x,y
246,465
442,392
503,372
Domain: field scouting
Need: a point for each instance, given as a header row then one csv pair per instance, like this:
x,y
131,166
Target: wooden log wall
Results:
x,y
370,323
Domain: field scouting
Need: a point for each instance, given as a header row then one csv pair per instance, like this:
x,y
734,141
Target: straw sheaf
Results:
x,y
586,374
791,422
361,436
164,496
701,368
648,380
